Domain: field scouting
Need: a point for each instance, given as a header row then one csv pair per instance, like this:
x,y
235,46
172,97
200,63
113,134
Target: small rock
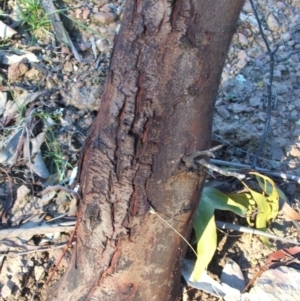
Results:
x,y
242,39
68,66
277,154
281,88
107,8
102,2
105,18
16,70
291,188
281,5
78,12
281,67
277,75
247,7
80,84
86,12
33,74
296,3
38,272
272,23
294,114
294,151
219,102
242,56
65,50
253,52
102,45
223,112
7,289
239,108
255,101
291,43
286,37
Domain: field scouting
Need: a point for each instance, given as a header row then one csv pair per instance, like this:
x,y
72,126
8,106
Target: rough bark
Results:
x,y
157,107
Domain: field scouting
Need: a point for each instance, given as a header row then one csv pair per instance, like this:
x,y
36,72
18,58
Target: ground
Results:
x,y
49,97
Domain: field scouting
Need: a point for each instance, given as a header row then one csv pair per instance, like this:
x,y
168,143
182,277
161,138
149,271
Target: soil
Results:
x,y
49,98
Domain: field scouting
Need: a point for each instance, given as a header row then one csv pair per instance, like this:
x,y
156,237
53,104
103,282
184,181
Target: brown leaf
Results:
x,y
288,211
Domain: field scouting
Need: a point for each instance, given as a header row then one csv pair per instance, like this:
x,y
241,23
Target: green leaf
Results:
x,y
205,227
206,234
272,195
247,201
221,201
264,213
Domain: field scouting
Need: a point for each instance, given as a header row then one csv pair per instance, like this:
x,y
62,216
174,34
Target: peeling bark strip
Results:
x,y
157,107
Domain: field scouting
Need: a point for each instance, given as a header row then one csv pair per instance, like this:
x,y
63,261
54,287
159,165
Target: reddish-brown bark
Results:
x,y
157,107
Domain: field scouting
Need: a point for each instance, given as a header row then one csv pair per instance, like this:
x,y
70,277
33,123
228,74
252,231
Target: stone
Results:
x,y
296,3
291,188
273,23
85,14
239,108
294,151
78,12
102,2
102,45
242,39
253,52
68,66
33,74
255,101
223,112
16,71
108,8
105,18
286,37
247,7
277,154
280,5
277,75
38,272
243,58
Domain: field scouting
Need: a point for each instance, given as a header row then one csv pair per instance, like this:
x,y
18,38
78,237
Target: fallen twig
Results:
x,y
221,171
31,229
228,226
36,249
69,244
270,172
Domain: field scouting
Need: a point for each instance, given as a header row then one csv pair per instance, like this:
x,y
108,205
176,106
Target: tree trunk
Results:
x,y
157,107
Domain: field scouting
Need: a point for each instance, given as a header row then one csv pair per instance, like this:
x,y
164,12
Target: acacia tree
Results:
x,y
157,107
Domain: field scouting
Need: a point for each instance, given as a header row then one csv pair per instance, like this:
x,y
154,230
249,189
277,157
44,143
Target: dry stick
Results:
x,y
221,171
228,226
38,249
271,54
64,252
263,170
34,230
59,187
76,195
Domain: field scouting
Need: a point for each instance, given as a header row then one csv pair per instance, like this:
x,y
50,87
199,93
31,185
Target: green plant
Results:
x,y
258,209
53,152
32,14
